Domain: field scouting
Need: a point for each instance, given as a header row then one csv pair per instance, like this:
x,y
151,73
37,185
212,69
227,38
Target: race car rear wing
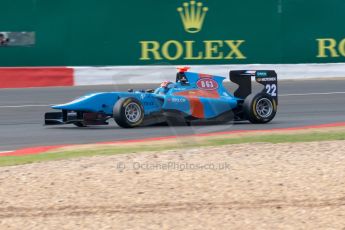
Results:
x,y
267,78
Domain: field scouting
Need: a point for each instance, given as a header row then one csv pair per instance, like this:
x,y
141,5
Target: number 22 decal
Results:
x,y
271,89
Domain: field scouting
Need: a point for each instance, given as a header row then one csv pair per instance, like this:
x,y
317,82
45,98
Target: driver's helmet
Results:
x,y
166,84
164,87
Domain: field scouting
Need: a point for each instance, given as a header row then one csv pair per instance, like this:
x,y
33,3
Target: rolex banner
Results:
x,y
178,32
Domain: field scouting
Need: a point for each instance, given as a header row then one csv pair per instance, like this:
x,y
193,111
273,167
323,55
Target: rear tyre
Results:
x,y
259,108
128,112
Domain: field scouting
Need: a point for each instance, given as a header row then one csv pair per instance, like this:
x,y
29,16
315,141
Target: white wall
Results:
x,y
156,74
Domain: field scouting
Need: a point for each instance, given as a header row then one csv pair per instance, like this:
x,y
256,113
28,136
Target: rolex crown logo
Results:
x,y
192,15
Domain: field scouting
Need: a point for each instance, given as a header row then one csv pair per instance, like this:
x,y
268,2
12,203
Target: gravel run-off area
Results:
x,y
245,186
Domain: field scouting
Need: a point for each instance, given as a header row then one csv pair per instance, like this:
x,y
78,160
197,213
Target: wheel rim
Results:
x,y
264,107
133,112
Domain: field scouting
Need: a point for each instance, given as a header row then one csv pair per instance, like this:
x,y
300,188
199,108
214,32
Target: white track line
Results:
x,y
23,106
310,94
3,152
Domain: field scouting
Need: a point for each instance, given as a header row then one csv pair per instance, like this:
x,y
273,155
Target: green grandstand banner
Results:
x,y
151,32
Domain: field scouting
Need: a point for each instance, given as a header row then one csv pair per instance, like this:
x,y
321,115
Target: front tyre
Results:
x,y
259,108
128,112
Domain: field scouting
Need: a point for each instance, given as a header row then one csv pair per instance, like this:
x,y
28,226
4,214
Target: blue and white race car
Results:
x,y
193,97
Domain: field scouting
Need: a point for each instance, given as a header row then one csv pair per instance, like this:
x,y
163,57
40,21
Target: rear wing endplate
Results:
x,y
267,78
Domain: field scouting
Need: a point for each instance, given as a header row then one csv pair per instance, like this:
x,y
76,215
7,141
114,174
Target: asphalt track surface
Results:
x,y
301,103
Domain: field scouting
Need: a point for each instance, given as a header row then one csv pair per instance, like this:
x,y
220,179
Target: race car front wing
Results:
x,y
71,117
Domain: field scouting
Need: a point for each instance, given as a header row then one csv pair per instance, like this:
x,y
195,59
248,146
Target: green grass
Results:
x,y
283,138
111,150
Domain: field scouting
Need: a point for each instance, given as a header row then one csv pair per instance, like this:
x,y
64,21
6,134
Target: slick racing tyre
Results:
x,y
259,108
128,112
